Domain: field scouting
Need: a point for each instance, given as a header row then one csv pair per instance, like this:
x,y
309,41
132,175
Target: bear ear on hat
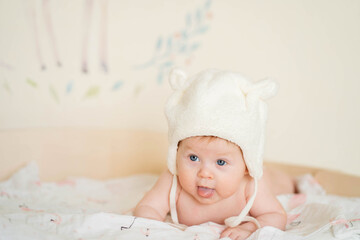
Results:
x,y
177,78
265,89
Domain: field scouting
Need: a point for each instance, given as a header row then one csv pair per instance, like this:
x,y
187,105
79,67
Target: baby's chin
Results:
x,y
206,201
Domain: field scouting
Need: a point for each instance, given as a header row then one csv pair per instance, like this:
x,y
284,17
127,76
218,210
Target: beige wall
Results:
x,y
310,47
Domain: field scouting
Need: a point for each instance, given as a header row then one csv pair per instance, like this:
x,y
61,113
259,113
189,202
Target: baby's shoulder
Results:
x,y
263,187
164,182
167,181
249,186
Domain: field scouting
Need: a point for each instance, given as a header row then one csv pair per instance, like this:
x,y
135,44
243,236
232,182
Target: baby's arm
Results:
x,y
266,209
155,203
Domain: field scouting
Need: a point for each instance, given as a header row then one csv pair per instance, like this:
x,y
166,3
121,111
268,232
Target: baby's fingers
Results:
x,y
235,233
225,233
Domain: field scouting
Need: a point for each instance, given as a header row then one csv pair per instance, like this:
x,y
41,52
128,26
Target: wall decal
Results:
x,y
88,15
92,92
117,85
54,94
181,43
31,83
47,18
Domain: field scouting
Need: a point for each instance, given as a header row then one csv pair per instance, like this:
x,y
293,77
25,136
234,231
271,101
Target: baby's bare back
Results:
x,y
278,181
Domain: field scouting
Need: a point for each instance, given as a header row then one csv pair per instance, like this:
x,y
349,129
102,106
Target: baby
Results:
x,y
216,138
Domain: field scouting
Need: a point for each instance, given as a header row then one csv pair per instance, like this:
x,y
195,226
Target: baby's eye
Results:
x,y
220,162
194,158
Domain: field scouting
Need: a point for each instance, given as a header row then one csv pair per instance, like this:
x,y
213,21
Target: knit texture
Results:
x,y
222,104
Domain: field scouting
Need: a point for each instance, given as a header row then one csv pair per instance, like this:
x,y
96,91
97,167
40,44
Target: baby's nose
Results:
x,y
205,172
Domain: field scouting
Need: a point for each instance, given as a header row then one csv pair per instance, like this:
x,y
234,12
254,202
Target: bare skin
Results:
x,y
213,184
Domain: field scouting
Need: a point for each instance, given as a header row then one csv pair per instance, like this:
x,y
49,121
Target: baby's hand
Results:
x,y
236,233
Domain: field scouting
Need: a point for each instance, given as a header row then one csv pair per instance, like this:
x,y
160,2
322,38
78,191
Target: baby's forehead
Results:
x,y
208,140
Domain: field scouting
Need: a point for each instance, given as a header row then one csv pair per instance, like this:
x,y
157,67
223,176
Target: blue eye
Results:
x,y
194,158
220,162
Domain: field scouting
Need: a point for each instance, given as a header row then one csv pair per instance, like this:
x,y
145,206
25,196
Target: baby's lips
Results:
x,y
205,192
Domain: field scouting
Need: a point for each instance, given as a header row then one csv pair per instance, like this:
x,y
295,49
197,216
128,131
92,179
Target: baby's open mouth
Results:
x,y
205,192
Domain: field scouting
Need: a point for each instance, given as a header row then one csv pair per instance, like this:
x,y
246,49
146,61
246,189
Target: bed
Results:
x,y
83,183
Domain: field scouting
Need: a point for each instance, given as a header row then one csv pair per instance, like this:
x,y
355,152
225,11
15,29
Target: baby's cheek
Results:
x,y
186,178
187,185
228,188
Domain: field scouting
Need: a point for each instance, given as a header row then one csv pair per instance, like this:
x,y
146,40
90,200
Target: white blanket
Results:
x,y
85,209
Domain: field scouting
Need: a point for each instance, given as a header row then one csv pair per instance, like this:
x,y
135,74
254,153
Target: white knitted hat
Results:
x,y
222,104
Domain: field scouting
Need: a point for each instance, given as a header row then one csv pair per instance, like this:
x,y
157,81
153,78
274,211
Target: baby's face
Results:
x,y
209,169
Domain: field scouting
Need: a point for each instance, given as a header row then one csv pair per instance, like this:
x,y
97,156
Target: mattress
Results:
x,y
85,208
